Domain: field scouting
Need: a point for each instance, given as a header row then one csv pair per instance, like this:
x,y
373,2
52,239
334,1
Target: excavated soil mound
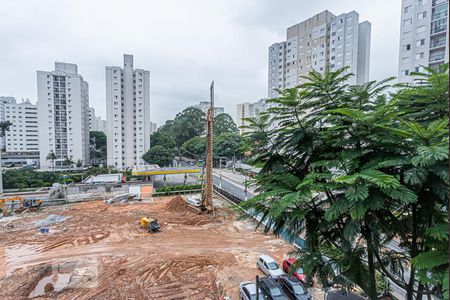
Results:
x,y
177,204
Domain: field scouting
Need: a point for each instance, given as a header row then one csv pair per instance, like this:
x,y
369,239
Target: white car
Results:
x,y
269,266
247,291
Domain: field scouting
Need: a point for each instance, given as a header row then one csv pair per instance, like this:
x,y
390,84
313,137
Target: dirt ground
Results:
x,y
100,252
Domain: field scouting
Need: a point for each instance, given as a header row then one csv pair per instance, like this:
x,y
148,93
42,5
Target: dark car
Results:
x,y
293,288
271,289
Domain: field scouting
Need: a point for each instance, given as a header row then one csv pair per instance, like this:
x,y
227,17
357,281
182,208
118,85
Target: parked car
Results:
x,y
298,272
271,289
247,291
269,266
293,288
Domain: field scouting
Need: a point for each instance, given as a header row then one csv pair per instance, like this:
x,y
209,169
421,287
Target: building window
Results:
x,y
422,15
407,9
407,22
419,55
421,29
407,47
420,42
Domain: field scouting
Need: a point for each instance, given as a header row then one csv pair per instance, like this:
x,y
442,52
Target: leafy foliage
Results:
x,y
355,169
223,123
159,155
97,145
4,127
178,188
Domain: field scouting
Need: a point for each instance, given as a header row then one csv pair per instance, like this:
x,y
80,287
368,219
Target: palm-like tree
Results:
x,y
79,163
68,161
347,167
52,156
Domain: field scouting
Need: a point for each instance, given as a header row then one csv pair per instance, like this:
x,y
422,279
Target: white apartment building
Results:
x,y
325,39
204,106
153,128
63,115
22,135
4,100
127,114
95,122
249,110
423,36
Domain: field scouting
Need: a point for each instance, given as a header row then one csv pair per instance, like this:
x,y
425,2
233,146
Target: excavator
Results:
x,y
204,203
18,204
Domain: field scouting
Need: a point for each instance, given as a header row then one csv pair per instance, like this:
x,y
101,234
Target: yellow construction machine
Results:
x,y
18,204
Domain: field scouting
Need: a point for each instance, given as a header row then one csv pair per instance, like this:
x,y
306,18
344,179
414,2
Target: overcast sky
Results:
x,y
184,43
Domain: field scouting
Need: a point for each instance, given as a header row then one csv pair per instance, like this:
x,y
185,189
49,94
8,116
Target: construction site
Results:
x,y
105,239
95,250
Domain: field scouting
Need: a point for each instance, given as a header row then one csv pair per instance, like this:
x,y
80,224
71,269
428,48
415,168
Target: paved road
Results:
x,y
232,187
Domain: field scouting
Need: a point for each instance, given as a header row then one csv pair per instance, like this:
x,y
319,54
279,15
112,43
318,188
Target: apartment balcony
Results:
x,y
438,57
437,2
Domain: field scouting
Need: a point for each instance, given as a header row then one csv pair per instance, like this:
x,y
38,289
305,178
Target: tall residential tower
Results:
x,y
423,37
127,114
63,115
325,39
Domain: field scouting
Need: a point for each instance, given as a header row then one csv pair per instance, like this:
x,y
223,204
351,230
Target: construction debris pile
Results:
x,y
177,204
98,251
49,220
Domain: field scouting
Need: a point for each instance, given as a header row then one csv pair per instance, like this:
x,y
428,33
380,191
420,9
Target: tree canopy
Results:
x,y
159,155
355,170
97,145
223,123
185,135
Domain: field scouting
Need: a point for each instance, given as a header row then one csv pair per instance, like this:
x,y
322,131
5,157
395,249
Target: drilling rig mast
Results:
x,y
207,190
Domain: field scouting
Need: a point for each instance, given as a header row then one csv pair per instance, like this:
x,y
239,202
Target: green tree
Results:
x,y
159,155
4,127
68,161
195,147
20,178
228,145
345,167
97,145
223,123
188,124
163,138
51,156
79,163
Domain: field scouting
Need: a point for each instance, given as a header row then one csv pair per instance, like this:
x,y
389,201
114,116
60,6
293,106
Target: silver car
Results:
x,y
247,291
269,266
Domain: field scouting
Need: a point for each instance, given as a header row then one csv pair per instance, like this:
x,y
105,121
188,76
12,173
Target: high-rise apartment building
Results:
x,y
153,128
63,115
249,110
204,106
95,122
423,36
22,135
4,100
127,114
325,39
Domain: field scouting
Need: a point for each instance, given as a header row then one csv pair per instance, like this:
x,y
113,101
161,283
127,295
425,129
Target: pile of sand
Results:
x,y
177,204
